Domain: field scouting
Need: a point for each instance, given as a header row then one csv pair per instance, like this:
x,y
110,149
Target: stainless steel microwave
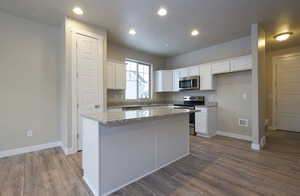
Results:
x,y
189,83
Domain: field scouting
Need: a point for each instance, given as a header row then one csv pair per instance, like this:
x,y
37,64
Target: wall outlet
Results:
x,y
243,122
29,133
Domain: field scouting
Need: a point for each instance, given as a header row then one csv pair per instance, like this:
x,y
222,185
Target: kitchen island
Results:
x,y
122,147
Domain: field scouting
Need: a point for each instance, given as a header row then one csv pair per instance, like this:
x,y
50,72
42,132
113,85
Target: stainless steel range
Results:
x,y
190,102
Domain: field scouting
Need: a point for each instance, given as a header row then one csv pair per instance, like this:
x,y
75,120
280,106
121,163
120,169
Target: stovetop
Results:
x,y
188,104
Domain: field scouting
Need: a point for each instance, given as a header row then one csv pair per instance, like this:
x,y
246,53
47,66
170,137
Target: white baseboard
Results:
x,y
68,151
90,186
263,141
255,146
234,135
28,149
271,128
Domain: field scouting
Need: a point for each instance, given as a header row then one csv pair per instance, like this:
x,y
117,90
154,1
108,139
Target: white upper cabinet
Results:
x,y
176,77
193,71
206,77
241,63
164,81
116,76
184,72
220,67
120,76
205,71
110,75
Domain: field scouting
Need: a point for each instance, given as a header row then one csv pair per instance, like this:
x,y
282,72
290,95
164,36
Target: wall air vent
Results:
x,y
243,122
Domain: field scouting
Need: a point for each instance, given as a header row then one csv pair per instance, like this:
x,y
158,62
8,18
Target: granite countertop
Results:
x,y
138,105
123,117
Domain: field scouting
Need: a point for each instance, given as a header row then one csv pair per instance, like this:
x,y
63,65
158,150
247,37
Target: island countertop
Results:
x,y
121,117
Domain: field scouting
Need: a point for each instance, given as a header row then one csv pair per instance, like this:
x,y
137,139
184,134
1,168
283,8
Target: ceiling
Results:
x,y
217,20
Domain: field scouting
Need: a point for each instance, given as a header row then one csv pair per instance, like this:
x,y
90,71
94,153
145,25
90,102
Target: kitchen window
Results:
x,y
138,83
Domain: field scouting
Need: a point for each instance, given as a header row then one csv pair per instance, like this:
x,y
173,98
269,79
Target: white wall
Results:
x,y
268,74
29,60
231,104
229,87
258,45
120,53
238,47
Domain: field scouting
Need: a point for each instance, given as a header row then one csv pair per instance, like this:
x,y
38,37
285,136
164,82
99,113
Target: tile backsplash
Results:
x,y
118,97
177,97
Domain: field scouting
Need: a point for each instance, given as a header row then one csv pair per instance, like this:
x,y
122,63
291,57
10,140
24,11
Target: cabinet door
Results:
x,y
110,75
206,77
158,81
120,76
220,67
193,71
241,63
167,80
184,72
164,81
201,123
176,77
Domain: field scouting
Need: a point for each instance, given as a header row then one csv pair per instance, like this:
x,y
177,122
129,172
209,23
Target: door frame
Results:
x,y
274,85
74,81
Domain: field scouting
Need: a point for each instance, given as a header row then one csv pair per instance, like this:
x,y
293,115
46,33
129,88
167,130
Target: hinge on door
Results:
x,y
77,135
77,105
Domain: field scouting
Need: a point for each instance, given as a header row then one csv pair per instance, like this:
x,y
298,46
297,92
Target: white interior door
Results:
x,y
88,82
288,93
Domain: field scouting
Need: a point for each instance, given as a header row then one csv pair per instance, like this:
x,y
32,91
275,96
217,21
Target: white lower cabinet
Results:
x,y
206,121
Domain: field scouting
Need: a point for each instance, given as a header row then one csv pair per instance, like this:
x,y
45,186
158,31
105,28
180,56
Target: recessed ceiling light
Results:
x,y
78,11
194,33
132,32
283,36
162,12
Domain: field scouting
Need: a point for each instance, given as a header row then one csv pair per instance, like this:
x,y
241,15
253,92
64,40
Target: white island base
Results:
x,y
117,155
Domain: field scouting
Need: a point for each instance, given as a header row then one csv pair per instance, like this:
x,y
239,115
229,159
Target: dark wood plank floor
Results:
x,y
216,166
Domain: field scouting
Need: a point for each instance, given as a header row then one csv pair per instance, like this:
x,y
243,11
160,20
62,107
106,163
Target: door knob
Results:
x,y
97,106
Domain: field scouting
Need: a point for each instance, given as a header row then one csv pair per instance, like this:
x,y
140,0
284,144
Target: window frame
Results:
x,y
137,83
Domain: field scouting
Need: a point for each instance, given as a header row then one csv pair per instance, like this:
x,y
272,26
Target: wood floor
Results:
x,y
217,166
